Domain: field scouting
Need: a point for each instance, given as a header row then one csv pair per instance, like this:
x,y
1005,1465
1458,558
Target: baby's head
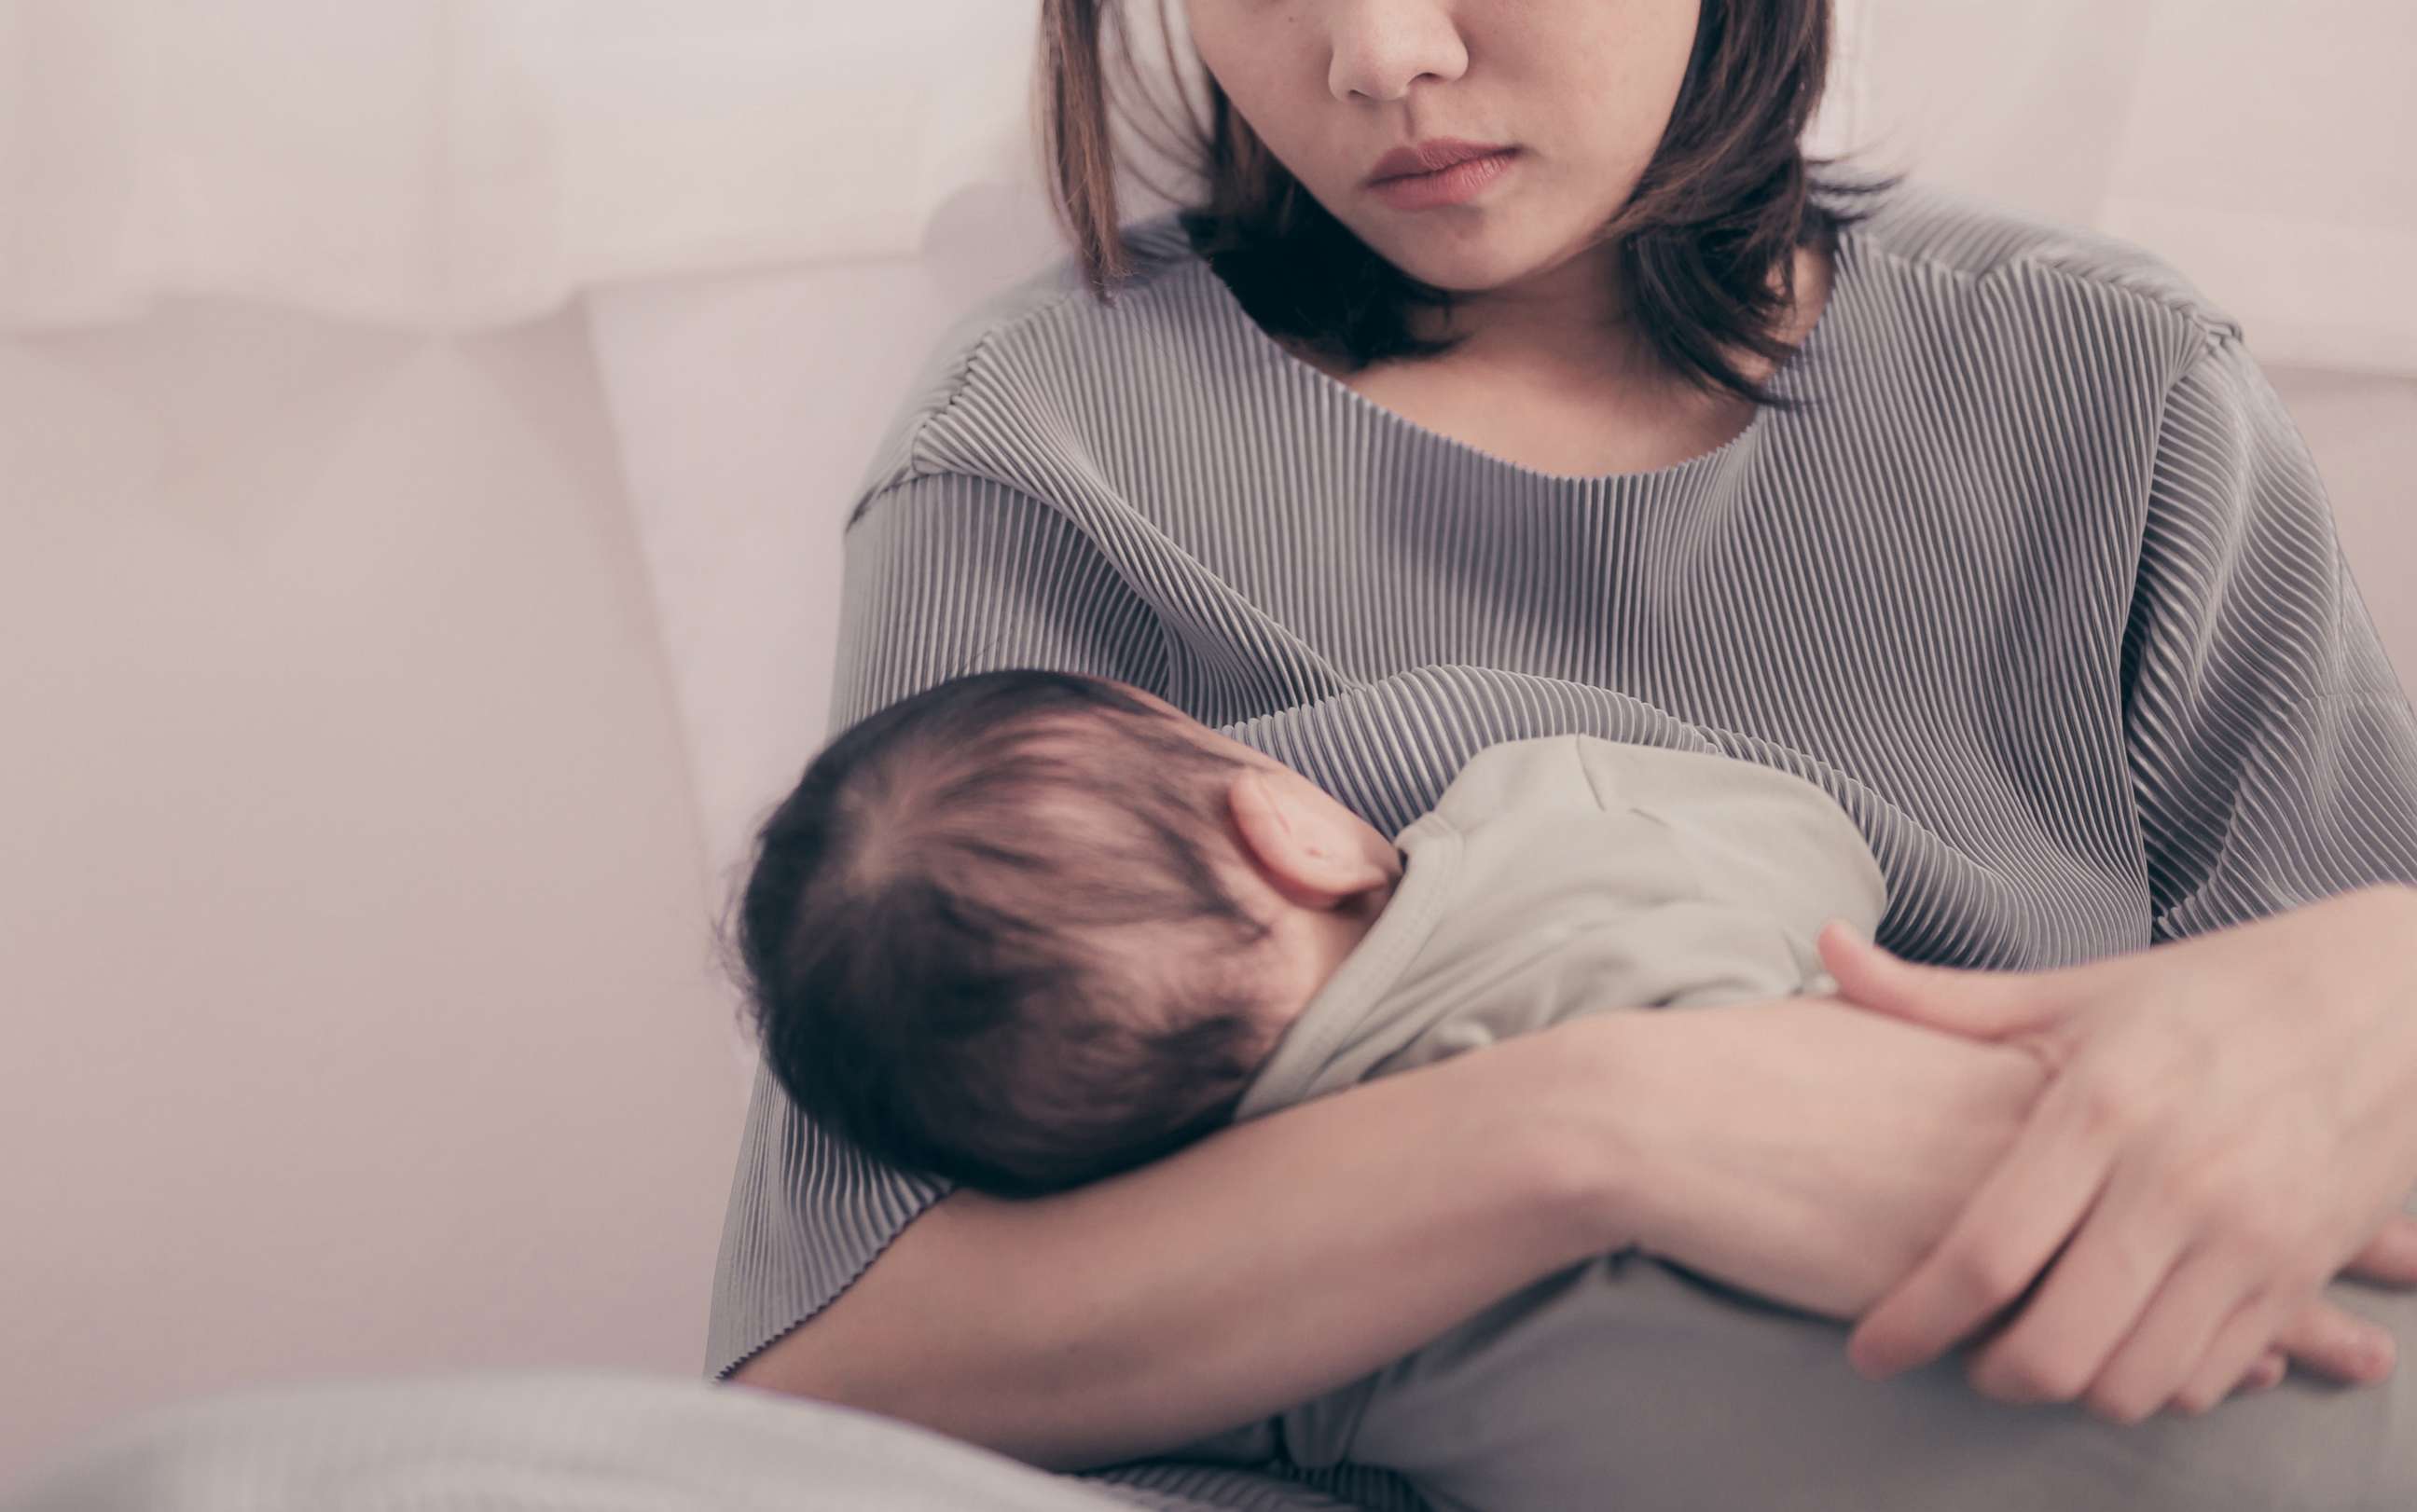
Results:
x,y
1028,929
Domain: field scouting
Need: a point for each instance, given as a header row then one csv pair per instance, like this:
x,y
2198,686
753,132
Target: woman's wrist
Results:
x,y
1797,1148
1667,1163
1587,1098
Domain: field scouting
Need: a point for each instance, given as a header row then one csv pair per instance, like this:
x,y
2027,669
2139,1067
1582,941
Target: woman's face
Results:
x,y
1581,89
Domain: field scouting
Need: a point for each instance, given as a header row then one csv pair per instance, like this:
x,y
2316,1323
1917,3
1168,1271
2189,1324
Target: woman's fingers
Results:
x,y
1997,1245
1988,1005
2112,1273
2319,1337
2161,1356
2268,1372
2322,1337
2242,1342
2331,1341
2391,1256
2326,1340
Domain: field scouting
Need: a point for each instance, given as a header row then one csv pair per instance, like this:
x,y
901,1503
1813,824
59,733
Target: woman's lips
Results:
x,y
1456,185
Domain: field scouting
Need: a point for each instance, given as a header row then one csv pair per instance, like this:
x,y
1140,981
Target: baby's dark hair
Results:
x,y
986,936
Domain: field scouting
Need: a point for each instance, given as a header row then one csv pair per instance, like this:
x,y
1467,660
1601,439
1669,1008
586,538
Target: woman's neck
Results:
x,y
1573,320
1564,399
1573,325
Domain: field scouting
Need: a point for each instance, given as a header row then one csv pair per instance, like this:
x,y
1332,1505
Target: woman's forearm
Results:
x,y
1804,1150
1271,1262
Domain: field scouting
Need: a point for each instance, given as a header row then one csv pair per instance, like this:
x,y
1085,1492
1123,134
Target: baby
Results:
x,y
1028,929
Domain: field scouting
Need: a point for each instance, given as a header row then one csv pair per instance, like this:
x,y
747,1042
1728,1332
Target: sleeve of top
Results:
x,y
944,574
2271,747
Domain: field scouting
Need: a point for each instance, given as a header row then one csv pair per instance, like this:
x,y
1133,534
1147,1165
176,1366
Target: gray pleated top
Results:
x,y
2040,586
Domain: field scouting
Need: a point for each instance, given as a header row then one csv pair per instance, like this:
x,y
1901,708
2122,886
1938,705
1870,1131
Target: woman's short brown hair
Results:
x,y
1708,241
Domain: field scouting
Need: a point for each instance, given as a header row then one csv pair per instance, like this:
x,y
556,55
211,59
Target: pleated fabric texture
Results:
x,y
2039,582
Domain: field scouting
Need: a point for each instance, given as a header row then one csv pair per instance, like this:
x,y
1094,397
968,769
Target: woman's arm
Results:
x,y
1271,1262
1771,1144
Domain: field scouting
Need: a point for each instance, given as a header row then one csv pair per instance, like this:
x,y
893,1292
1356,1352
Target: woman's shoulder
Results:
x,y
1918,233
1158,253
1039,343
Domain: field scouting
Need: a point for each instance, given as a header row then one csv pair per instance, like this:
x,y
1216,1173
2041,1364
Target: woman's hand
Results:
x,y
2230,1120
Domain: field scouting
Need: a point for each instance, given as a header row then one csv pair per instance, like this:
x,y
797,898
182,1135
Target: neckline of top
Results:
x,y
1786,381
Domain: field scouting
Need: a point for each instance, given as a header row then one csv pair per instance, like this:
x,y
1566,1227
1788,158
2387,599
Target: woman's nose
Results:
x,y
1382,46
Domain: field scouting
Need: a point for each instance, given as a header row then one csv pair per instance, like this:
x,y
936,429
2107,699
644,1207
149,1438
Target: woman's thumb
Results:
x,y
1985,1004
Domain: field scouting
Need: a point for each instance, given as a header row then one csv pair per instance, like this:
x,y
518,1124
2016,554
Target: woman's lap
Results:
x,y
1737,1407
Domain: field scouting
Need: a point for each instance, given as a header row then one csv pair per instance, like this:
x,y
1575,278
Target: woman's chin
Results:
x,y
1466,251
1469,264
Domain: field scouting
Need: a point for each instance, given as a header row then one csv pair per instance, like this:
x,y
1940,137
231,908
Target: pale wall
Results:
x,y
355,1013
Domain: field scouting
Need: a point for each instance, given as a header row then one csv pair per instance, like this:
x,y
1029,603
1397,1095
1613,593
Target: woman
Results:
x,y
1994,531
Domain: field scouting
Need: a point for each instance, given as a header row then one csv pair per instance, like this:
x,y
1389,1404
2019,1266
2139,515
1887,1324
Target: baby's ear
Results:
x,y
1301,850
